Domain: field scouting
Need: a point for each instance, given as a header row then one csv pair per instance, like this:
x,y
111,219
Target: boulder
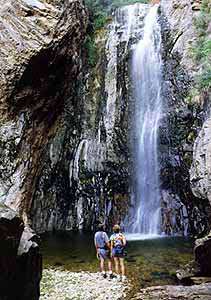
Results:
x,y
199,270
202,251
20,259
187,272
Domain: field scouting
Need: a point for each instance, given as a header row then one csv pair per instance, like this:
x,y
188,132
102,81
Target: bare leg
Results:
x,y
102,268
122,266
110,265
116,262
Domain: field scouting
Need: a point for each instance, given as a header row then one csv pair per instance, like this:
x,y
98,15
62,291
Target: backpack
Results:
x,y
118,245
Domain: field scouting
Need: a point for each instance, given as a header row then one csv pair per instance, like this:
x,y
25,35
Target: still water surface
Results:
x,y
149,262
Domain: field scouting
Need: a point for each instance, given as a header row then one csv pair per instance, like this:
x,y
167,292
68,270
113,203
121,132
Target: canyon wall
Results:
x,y
94,166
183,118
39,62
65,123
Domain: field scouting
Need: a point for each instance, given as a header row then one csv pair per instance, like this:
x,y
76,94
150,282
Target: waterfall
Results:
x,y
146,84
126,25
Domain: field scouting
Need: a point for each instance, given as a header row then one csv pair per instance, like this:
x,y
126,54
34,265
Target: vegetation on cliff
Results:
x,y
202,49
100,12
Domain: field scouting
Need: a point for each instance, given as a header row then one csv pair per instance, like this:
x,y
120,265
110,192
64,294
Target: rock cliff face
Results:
x,y
183,119
39,62
93,171
65,127
200,175
200,168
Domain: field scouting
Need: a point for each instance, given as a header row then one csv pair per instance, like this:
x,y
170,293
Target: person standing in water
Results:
x,y
102,246
118,243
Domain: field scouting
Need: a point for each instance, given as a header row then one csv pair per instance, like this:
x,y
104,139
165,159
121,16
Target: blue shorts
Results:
x,y
103,253
118,252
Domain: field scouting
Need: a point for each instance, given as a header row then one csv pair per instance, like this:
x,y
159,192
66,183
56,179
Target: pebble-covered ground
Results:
x,y
58,284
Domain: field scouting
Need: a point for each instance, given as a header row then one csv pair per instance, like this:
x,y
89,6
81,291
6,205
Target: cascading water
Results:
x,y
146,76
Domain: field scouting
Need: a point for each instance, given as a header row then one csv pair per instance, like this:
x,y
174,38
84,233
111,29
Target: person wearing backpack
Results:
x,y
118,243
102,246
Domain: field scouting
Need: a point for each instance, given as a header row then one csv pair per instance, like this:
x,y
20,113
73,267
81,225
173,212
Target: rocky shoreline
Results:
x,y
65,285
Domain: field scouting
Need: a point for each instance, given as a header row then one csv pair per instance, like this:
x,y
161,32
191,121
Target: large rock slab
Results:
x,y
20,259
199,292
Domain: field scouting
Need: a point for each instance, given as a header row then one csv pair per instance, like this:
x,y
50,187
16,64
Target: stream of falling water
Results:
x,y
146,76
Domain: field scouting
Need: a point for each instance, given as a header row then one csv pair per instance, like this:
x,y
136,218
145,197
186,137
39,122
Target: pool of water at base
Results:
x,y
149,262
